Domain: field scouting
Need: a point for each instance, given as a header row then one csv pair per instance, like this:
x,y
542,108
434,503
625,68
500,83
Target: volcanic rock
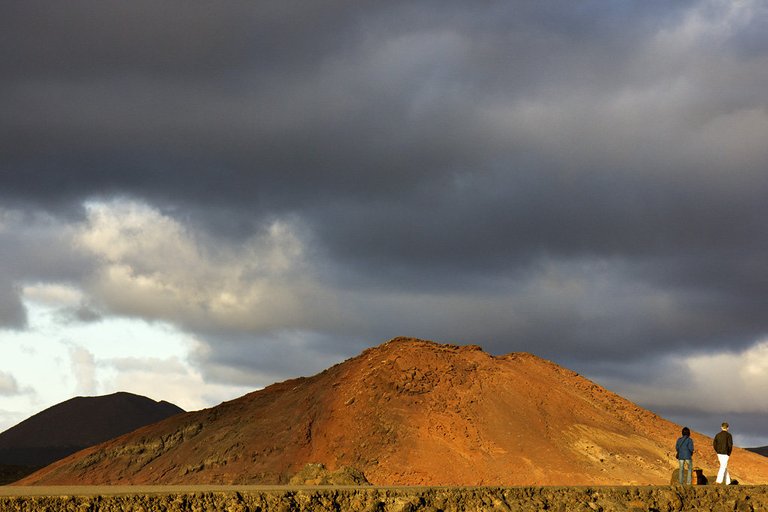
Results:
x,y
391,499
318,474
409,412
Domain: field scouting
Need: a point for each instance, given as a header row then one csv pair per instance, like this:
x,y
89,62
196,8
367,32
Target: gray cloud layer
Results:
x,y
584,181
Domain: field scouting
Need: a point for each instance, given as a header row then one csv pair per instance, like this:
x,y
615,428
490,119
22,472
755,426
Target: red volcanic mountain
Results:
x,y
409,412
75,424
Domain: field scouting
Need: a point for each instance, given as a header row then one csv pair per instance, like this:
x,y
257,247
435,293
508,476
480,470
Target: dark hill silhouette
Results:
x,y
75,424
408,412
762,450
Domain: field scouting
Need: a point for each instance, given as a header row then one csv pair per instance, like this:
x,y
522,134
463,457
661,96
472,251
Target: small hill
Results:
x,y
75,424
762,450
408,412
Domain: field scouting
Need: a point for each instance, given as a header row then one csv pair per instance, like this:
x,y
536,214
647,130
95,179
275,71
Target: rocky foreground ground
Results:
x,y
446,499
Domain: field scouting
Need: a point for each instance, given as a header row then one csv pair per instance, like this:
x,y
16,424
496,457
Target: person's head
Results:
x,y
724,426
686,431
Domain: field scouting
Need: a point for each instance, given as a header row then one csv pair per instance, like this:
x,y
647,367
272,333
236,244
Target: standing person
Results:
x,y
684,448
723,445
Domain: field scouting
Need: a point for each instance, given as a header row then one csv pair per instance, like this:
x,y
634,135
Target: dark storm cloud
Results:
x,y
34,248
273,356
284,97
12,313
578,180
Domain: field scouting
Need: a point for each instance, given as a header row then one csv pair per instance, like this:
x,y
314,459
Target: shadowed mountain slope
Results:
x,y
409,412
78,423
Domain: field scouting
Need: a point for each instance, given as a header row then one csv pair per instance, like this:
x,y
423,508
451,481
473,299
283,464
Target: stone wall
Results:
x,y
370,499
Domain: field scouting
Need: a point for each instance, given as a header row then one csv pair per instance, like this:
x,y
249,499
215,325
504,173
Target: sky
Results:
x,y
200,199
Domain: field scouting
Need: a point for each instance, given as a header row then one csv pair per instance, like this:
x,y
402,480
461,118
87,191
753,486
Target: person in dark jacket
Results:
x,y
723,445
684,449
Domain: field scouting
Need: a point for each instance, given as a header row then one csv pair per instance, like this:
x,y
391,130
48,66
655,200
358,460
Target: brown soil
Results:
x,y
409,412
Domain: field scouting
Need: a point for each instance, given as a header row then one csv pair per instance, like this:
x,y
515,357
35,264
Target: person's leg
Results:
x,y
727,475
689,477
723,465
680,473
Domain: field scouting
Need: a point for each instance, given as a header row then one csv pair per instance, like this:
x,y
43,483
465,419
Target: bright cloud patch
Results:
x,y
722,383
53,294
171,377
733,382
84,370
151,266
56,359
8,384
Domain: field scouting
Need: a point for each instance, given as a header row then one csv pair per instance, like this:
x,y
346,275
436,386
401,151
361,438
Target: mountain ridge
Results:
x,y
408,412
77,423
